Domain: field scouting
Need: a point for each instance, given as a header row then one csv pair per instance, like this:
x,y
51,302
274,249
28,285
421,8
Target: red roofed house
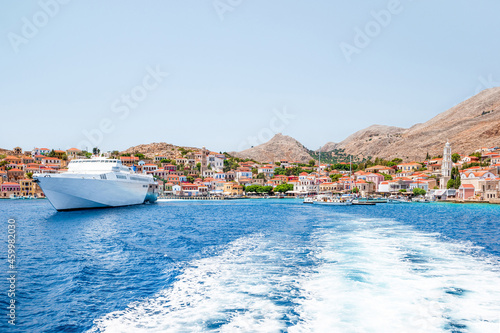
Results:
x,y
9,188
39,158
129,160
51,160
375,178
162,173
381,169
72,152
267,170
15,174
189,189
149,167
174,179
12,160
59,153
466,191
364,187
27,160
243,172
169,167
412,166
434,165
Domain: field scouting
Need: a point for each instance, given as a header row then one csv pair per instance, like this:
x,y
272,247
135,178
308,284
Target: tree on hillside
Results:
x,y
477,154
312,162
279,171
427,157
458,179
335,177
387,176
261,176
455,157
454,181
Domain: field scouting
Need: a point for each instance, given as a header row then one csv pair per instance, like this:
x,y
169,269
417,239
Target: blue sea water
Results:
x,y
254,266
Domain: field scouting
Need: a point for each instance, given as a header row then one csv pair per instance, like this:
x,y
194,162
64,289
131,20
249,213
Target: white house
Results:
x,y
267,170
243,173
219,176
306,185
216,161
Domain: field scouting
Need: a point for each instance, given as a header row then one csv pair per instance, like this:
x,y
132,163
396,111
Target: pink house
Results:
x,y
375,178
10,188
465,191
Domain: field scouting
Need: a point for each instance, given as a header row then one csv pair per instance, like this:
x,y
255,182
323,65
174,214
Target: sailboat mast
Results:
x,y
350,171
319,160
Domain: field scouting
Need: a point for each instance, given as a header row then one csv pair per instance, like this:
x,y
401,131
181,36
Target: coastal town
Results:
x,y
195,173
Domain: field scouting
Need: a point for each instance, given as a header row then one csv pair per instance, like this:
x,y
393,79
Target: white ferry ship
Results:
x,y
97,183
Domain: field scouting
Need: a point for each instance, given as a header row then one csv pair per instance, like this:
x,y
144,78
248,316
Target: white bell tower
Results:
x,y
446,165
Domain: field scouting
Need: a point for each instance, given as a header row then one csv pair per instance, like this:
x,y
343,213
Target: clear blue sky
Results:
x,y
226,76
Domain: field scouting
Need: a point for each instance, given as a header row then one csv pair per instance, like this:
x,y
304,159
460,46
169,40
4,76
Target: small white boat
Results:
x,y
308,200
332,201
397,201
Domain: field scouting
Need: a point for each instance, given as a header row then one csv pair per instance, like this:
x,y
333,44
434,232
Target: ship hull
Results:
x,y
74,193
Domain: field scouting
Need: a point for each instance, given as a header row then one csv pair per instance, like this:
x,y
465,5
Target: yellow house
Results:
x,y
27,187
412,166
381,169
59,153
233,189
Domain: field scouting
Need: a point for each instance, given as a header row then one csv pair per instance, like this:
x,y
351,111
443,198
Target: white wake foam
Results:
x,y
233,291
388,278
368,276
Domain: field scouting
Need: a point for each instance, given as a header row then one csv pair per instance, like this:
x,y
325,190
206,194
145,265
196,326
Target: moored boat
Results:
x,y
333,201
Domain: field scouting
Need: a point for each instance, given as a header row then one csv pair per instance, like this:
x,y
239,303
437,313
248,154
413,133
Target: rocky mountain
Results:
x,y
280,147
468,126
383,135
329,146
6,152
158,148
